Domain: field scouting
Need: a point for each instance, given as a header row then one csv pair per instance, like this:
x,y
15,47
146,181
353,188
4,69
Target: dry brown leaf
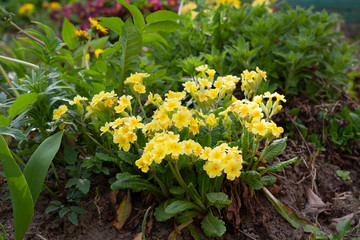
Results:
x,y
138,236
123,212
313,199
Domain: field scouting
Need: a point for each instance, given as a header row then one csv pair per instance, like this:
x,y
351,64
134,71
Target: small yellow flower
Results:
x,y
77,100
81,34
57,113
54,5
105,128
26,9
95,24
182,119
98,51
139,88
213,168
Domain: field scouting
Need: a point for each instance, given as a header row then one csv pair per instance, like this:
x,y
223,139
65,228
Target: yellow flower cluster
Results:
x,y
222,159
251,81
171,113
136,82
218,160
266,2
202,91
57,113
95,24
26,9
123,131
102,101
77,100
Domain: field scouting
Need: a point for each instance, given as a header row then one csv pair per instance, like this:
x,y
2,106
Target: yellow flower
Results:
x,y
202,68
211,120
95,24
213,168
205,153
105,128
259,128
134,123
26,9
204,83
77,100
171,105
232,169
182,119
54,5
188,146
188,7
98,51
57,113
216,154
82,35
139,88
131,137
122,141
262,73
119,109
158,153
190,87
174,148
125,101
144,166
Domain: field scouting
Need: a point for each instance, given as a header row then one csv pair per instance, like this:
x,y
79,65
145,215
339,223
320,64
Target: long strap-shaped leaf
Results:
x,y
39,163
22,202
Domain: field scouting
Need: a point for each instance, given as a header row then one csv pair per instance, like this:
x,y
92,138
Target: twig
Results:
x,y
41,237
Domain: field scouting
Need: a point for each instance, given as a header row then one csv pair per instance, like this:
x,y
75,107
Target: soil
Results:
x,y
310,189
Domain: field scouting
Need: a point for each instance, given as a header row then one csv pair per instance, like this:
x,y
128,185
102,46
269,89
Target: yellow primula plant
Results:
x,y
182,146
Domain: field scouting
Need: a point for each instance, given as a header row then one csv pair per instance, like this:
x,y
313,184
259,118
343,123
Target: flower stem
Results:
x,y
16,93
19,61
175,170
99,144
142,108
161,184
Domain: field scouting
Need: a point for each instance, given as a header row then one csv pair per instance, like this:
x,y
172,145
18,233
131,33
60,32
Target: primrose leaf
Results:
x,y
134,182
253,179
83,185
72,217
212,226
247,143
268,180
15,133
274,149
160,214
179,206
68,34
279,166
21,103
162,15
218,199
284,211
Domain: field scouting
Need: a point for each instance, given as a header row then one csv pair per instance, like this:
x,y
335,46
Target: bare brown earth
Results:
x,y
311,189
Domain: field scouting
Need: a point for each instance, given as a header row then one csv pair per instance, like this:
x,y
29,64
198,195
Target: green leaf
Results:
x,y
279,166
101,65
113,23
218,199
274,149
22,202
179,206
134,182
160,214
83,185
98,43
162,15
51,208
187,215
15,133
131,48
252,179
36,169
78,210
64,211
284,211
343,227
165,26
212,226
73,218
247,143
4,121
268,180
68,34
137,15
70,154
21,103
